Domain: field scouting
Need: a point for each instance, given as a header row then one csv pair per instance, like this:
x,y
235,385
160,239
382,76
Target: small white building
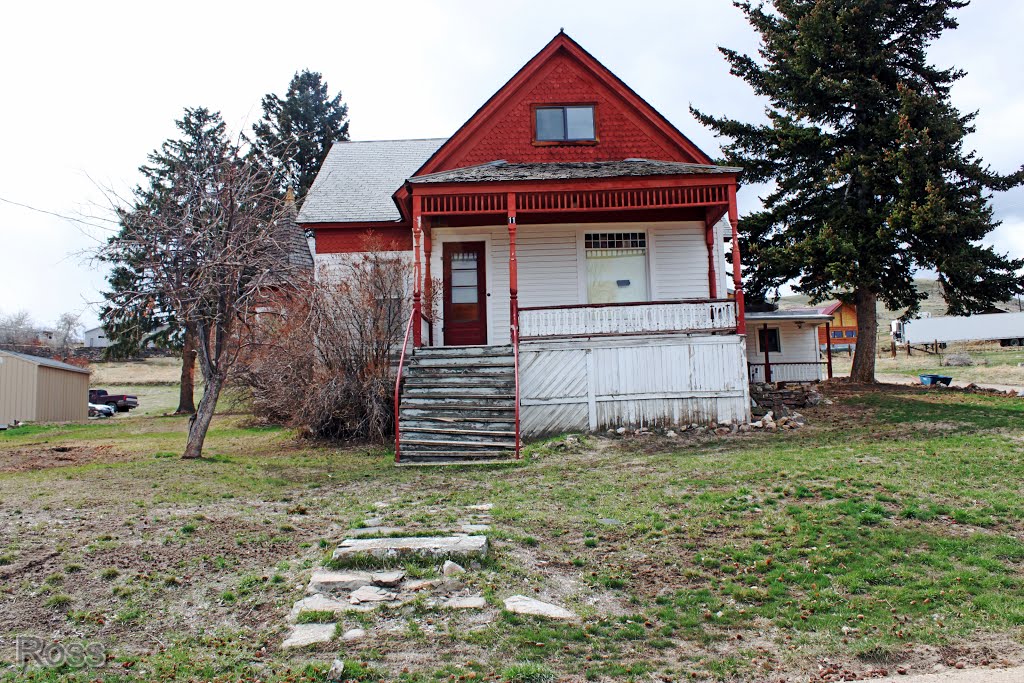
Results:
x,y
782,346
96,338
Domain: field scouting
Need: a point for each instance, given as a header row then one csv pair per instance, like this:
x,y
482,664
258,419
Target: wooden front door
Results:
x,y
465,294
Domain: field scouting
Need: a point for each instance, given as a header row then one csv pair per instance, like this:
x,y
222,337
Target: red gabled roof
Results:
x,y
563,73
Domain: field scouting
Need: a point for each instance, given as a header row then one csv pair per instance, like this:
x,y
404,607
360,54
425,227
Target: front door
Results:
x,y
465,294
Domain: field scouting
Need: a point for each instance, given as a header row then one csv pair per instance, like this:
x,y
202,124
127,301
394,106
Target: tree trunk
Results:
x,y
186,394
200,424
863,369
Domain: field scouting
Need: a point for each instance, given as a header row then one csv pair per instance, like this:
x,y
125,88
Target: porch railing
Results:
x,y
650,317
794,371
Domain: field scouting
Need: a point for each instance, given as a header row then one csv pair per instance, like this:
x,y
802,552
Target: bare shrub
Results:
x,y
326,364
958,359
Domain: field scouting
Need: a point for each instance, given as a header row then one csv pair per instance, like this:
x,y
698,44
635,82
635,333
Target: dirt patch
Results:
x,y
46,457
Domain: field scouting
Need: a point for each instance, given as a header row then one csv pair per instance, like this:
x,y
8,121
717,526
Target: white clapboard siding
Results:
x,y
798,346
605,383
679,263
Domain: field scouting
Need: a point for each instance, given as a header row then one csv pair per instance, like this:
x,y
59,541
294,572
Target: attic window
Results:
x,y
565,124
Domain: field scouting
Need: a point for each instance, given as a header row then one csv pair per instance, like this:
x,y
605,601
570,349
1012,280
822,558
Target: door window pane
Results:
x,y
579,123
464,295
550,124
464,278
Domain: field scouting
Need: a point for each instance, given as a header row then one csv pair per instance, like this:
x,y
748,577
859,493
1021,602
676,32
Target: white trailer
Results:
x,y
1006,328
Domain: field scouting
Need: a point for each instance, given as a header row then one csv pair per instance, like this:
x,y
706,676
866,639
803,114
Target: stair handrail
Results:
x,y
515,364
398,384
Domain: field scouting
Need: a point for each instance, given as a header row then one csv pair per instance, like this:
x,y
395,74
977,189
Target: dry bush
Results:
x,y
324,363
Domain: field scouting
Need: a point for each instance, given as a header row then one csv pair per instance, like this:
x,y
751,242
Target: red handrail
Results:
x,y
398,383
515,363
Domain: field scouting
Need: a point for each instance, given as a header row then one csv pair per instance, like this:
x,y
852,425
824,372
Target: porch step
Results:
x,y
473,361
458,405
483,370
483,423
459,381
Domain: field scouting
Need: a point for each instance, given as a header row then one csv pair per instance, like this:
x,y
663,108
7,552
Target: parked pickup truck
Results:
x,y
121,402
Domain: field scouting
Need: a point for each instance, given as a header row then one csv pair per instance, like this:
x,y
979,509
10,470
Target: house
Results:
x,y
95,338
578,238
843,330
34,389
782,345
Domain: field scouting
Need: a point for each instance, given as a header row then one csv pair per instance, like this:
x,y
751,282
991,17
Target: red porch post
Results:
x,y
767,360
709,239
737,276
828,347
428,285
417,305
513,302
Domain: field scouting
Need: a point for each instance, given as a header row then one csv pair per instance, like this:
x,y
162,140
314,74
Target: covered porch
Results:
x,y
505,253
610,292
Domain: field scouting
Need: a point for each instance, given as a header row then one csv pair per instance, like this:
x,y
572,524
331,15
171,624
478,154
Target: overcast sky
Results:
x,y
89,88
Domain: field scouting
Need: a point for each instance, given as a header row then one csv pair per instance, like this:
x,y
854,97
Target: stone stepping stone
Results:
x,y
429,547
520,604
471,602
475,528
303,635
486,507
353,634
325,581
371,594
318,603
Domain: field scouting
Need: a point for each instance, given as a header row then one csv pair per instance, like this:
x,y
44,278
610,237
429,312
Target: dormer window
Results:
x,y
573,123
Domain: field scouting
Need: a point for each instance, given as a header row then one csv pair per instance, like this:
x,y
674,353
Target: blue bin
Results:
x,y
928,380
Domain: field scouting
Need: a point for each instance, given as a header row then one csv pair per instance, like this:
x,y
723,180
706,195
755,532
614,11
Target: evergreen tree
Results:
x,y
871,179
295,134
132,321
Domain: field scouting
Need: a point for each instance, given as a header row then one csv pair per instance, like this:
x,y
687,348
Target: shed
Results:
x,y
34,389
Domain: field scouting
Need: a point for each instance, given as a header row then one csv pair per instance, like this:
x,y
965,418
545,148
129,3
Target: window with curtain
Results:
x,y
616,267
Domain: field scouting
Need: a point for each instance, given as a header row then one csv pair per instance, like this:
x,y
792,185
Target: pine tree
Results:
x,y
872,182
130,321
296,133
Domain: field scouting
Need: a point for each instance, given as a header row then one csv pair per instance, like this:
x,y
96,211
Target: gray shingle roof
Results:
x,y
47,362
500,170
357,180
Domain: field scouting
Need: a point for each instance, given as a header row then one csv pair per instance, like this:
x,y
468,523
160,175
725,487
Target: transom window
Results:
x,y
565,124
616,266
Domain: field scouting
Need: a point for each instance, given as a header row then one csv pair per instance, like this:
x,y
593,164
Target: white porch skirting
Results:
x,y
607,382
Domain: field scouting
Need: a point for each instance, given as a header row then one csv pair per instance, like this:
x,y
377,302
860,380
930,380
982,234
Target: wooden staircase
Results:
x,y
458,405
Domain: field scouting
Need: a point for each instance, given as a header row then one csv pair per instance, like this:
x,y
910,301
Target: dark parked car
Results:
x,y
120,402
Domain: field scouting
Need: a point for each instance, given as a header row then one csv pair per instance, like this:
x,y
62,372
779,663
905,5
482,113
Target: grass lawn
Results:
x,y
887,533
993,364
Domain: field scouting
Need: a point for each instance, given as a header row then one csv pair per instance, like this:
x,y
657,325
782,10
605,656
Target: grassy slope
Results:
x,y
888,531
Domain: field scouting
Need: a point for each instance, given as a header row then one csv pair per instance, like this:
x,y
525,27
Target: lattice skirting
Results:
x,y
596,384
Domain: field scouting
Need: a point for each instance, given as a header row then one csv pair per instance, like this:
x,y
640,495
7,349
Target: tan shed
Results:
x,y
36,389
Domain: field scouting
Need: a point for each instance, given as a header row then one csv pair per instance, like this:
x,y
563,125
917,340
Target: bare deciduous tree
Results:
x,y
207,247
17,329
65,333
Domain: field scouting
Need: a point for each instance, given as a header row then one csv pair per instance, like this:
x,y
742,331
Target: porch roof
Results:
x,y
793,315
498,171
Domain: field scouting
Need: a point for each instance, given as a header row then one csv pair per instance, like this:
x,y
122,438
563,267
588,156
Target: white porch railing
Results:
x,y
708,315
792,371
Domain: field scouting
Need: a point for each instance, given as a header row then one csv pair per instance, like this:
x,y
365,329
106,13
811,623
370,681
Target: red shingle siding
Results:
x,y
508,134
349,240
